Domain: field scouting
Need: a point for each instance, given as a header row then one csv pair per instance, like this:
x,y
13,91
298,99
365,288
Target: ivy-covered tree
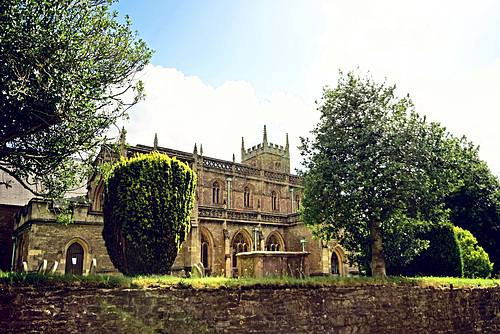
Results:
x,y
375,165
66,75
147,205
476,260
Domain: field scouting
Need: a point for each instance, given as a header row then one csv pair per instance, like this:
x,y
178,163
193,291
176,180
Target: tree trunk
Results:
x,y
378,263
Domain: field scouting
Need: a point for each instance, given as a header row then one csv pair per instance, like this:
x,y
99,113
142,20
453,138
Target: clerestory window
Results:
x,y
274,200
246,197
215,193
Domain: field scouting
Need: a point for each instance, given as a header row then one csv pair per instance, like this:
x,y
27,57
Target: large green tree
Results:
x,y
66,75
375,165
147,206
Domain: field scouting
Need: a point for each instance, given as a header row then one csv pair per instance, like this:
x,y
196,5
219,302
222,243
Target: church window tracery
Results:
x,y
273,244
240,244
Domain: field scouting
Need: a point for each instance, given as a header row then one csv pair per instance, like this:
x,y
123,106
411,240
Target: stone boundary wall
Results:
x,y
368,309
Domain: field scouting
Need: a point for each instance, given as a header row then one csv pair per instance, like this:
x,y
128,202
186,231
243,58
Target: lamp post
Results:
x,y
255,231
303,242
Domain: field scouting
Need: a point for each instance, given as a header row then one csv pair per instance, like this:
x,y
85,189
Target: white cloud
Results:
x,y
467,105
435,50
184,111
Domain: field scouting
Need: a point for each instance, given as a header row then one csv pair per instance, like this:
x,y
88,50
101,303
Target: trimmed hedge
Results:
x,y
442,258
147,205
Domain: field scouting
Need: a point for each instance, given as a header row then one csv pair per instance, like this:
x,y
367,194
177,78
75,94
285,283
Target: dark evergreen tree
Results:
x,y
443,257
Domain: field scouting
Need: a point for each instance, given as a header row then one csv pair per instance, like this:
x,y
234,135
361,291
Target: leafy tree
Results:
x,y
476,260
475,206
375,166
66,75
147,206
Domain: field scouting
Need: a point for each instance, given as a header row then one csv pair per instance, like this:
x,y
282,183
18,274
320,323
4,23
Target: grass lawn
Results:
x,y
140,282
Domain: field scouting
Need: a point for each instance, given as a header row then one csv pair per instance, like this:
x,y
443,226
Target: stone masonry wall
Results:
x,y
368,309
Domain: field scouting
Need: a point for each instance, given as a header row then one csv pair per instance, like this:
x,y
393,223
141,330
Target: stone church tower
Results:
x,y
267,155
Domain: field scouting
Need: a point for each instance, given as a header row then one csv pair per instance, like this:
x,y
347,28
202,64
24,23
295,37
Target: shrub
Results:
x,y
147,205
476,260
442,258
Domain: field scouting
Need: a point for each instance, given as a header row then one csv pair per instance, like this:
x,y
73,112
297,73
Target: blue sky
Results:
x,y
223,69
269,42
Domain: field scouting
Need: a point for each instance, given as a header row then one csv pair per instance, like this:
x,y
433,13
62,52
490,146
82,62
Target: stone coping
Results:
x,y
271,254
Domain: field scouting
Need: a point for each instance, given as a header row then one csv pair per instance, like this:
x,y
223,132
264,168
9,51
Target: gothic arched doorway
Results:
x,y
74,259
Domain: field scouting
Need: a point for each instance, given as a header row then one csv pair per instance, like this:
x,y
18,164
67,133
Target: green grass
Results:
x,y
98,281
141,282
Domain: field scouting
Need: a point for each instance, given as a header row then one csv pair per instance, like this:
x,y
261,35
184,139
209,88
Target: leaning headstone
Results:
x,y
93,266
202,267
196,271
43,267
25,267
53,269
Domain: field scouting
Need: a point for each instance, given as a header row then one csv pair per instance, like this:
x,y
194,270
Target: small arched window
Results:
x,y
274,200
246,197
215,193
297,202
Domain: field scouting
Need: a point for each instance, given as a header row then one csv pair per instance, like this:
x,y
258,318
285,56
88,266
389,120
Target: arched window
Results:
x,y
246,197
215,193
204,250
74,259
335,264
273,244
240,244
274,200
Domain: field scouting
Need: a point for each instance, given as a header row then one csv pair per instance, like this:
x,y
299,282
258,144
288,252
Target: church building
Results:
x,y
239,207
